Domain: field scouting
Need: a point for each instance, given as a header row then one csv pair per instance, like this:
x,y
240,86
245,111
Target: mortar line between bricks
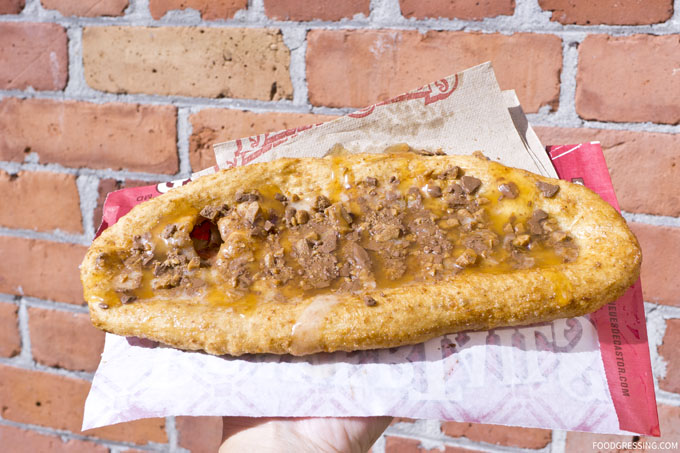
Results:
x,y
26,355
666,397
666,311
54,236
184,131
16,362
151,446
651,219
558,441
15,167
32,302
499,24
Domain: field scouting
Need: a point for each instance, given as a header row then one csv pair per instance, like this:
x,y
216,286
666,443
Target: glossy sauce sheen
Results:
x,y
211,281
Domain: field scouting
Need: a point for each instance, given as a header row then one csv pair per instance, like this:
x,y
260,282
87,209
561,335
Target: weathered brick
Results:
x,y
88,8
10,340
395,444
81,134
33,55
41,398
210,126
209,9
671,354
65,340
188,61
660,252
109,185
466,9
44,269
629,78
633,157
579,442
11,6
305,10
499,435
46,399
41,201
18,440
609,12
199,434
354,68
138,432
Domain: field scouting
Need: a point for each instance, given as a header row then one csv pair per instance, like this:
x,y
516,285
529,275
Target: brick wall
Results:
x,y
98,95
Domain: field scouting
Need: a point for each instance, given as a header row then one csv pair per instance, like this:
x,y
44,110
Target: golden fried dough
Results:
x,y
354,252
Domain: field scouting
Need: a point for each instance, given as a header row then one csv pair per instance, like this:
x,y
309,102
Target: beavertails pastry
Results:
x,y
353,252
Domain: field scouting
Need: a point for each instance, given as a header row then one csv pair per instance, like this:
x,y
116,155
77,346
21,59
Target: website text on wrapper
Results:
x,y
636,445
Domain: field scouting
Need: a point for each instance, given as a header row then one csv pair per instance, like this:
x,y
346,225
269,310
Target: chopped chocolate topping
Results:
x,y
548,190
535,222
321,203
434,191
301,217
370,302
364,237
127,298
169,230
470,184
480,155
449,173
242,197
467,258
212,212
508,190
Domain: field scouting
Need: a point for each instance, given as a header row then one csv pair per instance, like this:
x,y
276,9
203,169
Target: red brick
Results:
x,y
394,444
64,340
199,434
10,340
609,12
629,78
212,126
466,9
41,201
660,252
669,420
33,55
304,10
578,442
633,157
354,68
109,185
88,8
138,432
80,134
671,354
247,63
55,401
499,435
44,269
11,6
23,440
209,9
41,398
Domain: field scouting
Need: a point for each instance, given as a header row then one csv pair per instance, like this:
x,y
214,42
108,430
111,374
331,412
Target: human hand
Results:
x,y
301,435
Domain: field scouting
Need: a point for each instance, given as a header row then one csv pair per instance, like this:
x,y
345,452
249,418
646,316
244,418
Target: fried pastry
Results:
x,y
353,252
